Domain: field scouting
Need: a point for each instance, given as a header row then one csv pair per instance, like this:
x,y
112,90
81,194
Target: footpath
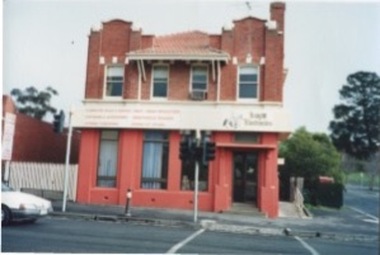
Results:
x,y
332,224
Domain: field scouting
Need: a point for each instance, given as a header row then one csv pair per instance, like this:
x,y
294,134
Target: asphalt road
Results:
x,y
61,235
363,199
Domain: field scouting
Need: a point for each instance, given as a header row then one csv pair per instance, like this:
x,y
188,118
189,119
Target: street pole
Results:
x,y
196,179
196,191
68,150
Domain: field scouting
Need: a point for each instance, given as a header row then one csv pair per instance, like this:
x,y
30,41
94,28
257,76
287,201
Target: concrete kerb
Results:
x,y
212,225
123,218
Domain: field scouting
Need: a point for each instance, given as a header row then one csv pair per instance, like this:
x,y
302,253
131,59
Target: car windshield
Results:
x,y
5,188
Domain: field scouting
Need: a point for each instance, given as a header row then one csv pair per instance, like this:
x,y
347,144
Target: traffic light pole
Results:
x,y
196,179
196,188
68,150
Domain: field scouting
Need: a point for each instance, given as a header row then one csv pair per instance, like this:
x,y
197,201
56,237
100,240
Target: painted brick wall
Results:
x,y
35,141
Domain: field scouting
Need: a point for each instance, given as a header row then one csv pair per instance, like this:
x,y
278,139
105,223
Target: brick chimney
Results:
x,y
274,55
277,10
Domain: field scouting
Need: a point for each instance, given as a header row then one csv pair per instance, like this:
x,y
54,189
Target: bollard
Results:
x,y
127,205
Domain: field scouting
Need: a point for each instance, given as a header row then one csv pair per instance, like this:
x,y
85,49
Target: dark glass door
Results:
x,y
244,177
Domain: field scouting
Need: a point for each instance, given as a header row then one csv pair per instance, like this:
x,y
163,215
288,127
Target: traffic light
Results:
x,y
184,150
59,120
209,149
188,147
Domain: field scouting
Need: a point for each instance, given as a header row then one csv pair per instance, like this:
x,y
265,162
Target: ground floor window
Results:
x,y
188,176
155,160
108,152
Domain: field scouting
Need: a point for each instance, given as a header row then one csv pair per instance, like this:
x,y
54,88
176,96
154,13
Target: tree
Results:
x,y
356,127
310,155
33,102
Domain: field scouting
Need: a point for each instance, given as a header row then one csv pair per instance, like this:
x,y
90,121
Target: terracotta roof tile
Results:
x,y
192,43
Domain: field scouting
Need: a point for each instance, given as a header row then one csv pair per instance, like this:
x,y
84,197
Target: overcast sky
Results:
x,y
45,43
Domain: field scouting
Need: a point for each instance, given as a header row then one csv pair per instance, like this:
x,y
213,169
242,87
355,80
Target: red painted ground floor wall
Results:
x,y
217,198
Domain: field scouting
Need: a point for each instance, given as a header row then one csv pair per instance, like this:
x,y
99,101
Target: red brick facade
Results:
x,y
250,41
249,35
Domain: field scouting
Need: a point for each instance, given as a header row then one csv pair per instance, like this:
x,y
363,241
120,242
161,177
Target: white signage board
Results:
x,y
181,116
8,134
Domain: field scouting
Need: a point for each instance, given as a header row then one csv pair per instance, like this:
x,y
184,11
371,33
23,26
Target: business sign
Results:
x,y
179,116
249,119
8,134
130,117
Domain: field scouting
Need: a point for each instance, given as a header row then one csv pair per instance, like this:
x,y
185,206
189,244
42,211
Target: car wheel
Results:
x,y
5,215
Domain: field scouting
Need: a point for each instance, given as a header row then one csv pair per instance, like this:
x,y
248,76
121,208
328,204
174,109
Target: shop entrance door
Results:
x,y
245,177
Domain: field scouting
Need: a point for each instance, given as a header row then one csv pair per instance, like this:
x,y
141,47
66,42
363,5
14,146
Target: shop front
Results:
x,y
137,147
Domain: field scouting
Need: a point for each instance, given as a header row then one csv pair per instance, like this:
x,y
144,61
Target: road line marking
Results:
x,y
306,245
364,213
185,241
371,221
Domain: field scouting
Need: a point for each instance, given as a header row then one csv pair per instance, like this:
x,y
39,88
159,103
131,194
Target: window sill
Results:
x,y
159,99
115,98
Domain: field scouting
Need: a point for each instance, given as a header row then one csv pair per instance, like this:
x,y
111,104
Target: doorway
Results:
x,y
245,177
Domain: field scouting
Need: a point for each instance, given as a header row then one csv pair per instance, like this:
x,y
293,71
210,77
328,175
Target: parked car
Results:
x,y
20,206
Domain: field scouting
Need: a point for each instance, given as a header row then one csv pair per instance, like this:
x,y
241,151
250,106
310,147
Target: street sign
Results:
x,y
9,130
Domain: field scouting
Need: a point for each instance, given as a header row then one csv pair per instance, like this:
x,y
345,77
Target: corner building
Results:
x,y
143,90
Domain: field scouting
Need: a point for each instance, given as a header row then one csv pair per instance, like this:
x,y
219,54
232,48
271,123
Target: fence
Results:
x,y
298,201
45,178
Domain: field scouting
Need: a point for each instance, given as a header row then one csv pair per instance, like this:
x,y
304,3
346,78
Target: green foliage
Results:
x,y
364,179
356,127
310,156
33,102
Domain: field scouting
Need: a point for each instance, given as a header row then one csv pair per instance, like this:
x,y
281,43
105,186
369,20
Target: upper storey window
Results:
x,y
198,83
160,81
199,78
248,81
114,81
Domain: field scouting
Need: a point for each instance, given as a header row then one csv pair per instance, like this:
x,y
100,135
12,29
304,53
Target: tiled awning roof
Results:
x,y
192,45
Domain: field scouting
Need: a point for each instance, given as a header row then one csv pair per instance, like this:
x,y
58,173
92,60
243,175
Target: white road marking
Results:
x,y
371,221
185,241
373,218
306,245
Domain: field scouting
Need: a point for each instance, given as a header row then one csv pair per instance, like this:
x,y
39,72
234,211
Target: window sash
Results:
x,y
199,78
248,91
188,177
160,81
107,163
114,81
155,160
248,82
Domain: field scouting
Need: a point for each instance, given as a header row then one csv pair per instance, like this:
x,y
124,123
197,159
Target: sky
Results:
x,y
45,43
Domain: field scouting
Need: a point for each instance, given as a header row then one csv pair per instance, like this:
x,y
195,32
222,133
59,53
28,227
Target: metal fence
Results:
x,y
43,177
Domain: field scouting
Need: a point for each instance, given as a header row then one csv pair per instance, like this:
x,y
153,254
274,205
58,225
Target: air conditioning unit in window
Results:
x,y
198,95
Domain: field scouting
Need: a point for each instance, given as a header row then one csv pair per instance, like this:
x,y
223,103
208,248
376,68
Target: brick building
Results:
x,y
35,141
143,90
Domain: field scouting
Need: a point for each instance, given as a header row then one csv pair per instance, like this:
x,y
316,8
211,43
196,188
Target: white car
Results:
x,y
17,205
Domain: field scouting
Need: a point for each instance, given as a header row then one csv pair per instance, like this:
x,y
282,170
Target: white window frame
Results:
x,y
167,83
155,183
105,96
105,137
257,85
191,77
